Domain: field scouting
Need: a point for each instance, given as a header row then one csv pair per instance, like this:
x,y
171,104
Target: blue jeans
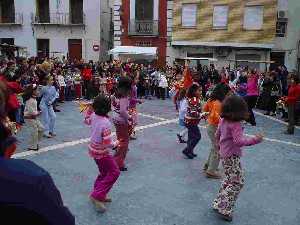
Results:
x,y
194,137
48,118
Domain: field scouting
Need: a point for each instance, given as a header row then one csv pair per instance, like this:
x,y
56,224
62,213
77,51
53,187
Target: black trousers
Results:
x,y
251,102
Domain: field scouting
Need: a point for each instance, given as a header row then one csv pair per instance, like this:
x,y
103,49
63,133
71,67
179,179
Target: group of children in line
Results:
x,y
224,112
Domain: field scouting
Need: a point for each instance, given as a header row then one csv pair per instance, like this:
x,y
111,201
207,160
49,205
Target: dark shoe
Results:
x,y
267,114
253,124
33,149
227,218
123,169
188,155
52,134
56,110
194,155
180,139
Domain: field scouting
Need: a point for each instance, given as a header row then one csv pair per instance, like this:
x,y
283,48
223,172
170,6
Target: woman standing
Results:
x,y
48,95
271,87
252,94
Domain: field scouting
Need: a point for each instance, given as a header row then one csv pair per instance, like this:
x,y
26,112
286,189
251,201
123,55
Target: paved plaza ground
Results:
x,y
161,187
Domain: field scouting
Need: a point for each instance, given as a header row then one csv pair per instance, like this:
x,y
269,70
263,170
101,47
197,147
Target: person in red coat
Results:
x,y
86,74
293,103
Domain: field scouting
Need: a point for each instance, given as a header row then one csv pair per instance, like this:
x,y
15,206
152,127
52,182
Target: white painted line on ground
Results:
x,y
274,119
84,140
163,122
151,116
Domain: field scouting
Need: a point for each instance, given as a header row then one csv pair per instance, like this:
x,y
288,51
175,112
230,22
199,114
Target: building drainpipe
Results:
x,y
298,57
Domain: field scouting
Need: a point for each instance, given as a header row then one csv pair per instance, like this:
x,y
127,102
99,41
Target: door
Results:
x,y
278,57
43,46
75,49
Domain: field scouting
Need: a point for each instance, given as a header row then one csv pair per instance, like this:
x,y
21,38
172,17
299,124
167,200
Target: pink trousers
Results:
x,y
109,173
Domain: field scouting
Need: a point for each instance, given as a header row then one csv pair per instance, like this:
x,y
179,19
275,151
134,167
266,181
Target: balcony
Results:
x,y
14,19
143,28
62,19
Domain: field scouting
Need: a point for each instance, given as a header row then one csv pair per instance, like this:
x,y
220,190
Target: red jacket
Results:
x,y
86,74
293,94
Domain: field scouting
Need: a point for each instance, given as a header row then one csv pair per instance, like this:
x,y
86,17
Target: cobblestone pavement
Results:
x,y
163,188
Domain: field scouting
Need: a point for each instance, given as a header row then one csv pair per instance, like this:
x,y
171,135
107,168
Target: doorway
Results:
x,y
75,49
278,57
43,46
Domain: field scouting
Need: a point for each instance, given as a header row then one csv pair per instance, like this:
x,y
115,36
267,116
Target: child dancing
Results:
x,y
182,111
30,114
230,139
122,119
133,101
99,149
213,107
192,119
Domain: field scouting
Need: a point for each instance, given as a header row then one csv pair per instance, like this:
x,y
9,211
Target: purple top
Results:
x,y
252,85
230,138
133,100
120,111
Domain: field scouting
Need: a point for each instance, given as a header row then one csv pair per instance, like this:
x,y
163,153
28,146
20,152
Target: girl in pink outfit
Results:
x,y
133,101
99,149
122,120
252,95
230,139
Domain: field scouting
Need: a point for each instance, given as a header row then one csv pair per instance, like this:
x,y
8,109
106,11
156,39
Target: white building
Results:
x,y
287,42
56,27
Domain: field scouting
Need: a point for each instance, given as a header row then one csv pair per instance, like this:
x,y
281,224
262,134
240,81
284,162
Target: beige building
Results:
x,y
227,30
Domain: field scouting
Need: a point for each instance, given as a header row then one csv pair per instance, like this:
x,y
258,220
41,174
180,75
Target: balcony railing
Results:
x,y
14,19
58,19
143,28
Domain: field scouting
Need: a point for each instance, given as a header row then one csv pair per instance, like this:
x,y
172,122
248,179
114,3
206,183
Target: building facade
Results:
x,y
286,49
228,30
141,23
55,28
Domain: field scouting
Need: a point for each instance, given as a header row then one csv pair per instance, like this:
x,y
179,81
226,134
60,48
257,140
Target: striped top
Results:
x,y
101,138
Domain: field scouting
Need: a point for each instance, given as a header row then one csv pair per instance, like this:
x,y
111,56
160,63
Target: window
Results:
x,y
220,17
189,15
282,5
253,17
43,11
144,10
281,28
76,11
7,11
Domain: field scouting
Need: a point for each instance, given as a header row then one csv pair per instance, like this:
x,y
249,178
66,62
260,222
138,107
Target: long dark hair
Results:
x,y
219,92
234,108
28,92
123,87
192,90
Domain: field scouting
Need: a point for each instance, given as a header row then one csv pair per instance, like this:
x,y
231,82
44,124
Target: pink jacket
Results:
x,y
101,139
252,85
230,138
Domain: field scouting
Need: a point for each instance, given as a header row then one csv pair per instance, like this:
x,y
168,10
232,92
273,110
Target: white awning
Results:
x,y
133,50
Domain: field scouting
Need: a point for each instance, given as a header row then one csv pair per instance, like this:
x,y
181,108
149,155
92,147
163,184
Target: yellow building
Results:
x,y
227,30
